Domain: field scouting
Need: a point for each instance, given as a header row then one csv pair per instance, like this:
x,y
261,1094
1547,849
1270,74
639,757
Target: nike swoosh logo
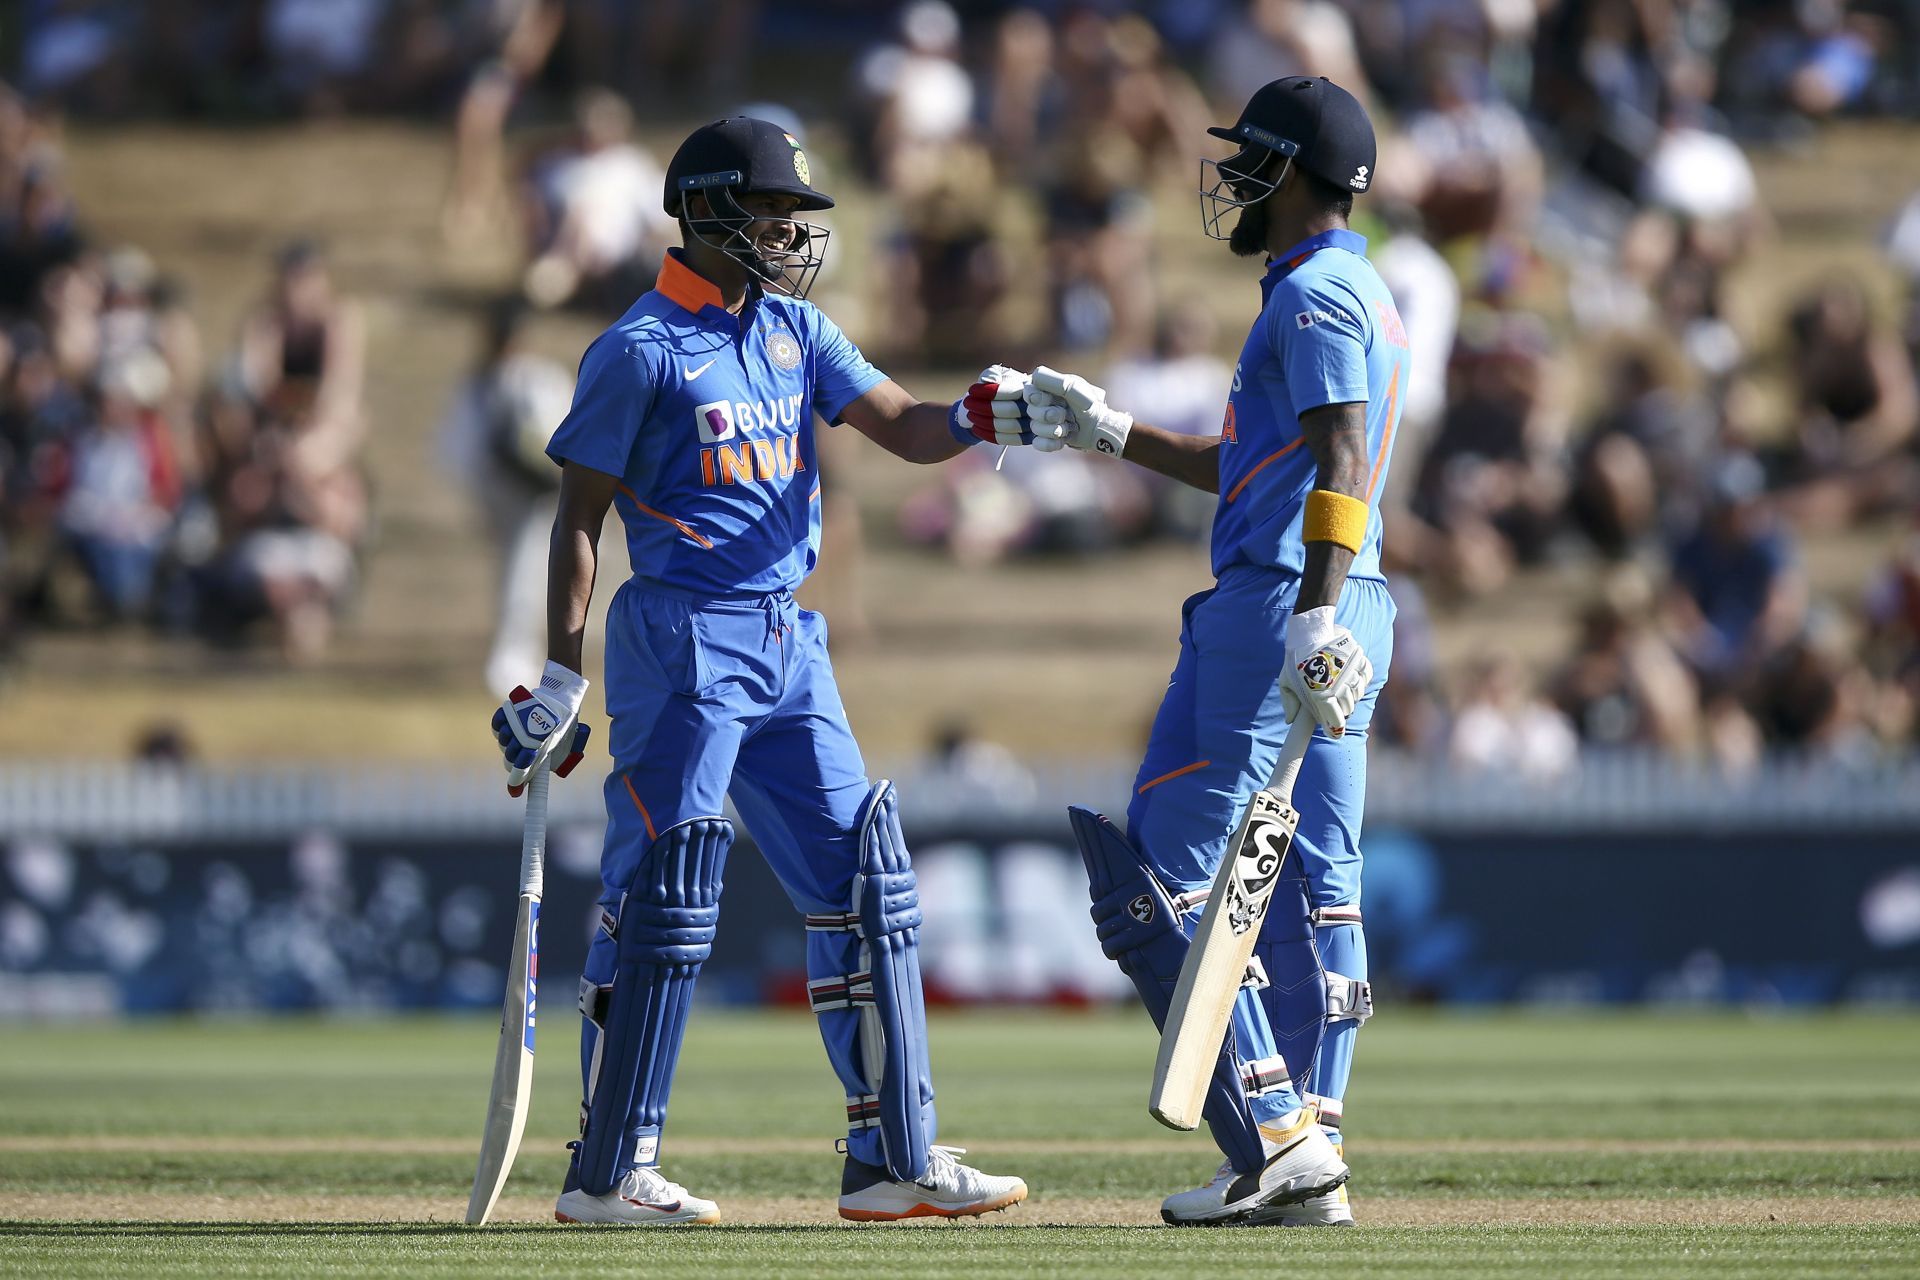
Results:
x,y
1249,1183
657,1208
694,373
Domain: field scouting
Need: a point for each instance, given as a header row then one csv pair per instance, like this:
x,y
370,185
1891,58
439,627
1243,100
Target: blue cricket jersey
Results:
x,y
707,418
1328,333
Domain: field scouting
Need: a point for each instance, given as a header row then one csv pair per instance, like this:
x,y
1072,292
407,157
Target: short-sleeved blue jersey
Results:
x,y
707,418
1328,333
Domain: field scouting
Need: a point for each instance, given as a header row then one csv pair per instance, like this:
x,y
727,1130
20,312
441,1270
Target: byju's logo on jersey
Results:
x,y
715,421
719,420
1304,319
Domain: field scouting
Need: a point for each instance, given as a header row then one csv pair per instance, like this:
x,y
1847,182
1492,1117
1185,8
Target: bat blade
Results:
x,y
512,1091
1216,963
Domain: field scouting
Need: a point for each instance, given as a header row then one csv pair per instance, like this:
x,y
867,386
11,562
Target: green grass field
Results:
x,y
1680,1144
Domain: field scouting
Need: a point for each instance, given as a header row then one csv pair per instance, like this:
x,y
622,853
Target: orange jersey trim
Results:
x,y
1169,777
644,815
1386,431
686,288
1275,456
681,525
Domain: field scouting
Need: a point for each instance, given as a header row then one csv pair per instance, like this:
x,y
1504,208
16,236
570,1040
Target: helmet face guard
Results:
x,y
790,271
1235,184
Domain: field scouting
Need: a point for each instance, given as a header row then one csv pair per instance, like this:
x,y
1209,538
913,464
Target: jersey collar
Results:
x,y
1338,238
686,288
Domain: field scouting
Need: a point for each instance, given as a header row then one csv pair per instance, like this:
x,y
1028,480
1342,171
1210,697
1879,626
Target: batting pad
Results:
x,y
1317,994
864,969
637,1015
1139,929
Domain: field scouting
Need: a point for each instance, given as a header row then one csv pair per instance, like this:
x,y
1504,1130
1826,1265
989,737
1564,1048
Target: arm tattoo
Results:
x,y
1337,437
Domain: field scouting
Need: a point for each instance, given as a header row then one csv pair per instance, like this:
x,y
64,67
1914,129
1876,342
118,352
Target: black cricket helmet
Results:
x,y
731,158
1311,121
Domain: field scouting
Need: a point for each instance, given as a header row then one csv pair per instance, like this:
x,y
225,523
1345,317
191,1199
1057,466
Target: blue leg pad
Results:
x,y
637,1014
1317,993
1343,950
1140,929
864,983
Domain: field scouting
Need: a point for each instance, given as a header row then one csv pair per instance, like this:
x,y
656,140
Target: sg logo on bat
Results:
x,y
1257,867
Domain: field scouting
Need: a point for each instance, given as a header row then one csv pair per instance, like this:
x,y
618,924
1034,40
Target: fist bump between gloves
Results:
x,y
1072,413
995,410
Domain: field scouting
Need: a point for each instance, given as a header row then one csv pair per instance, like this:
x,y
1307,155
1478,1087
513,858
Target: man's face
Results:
x,y
1249,234
773,230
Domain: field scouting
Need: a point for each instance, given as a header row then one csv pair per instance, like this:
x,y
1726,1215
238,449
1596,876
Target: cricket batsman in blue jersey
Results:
x,y
1297,622
694,416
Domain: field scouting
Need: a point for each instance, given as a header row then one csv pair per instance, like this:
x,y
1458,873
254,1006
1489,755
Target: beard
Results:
x,y
1249,234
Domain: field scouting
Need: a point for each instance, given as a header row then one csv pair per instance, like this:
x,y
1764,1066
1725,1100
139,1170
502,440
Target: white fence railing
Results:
x,y
1623,792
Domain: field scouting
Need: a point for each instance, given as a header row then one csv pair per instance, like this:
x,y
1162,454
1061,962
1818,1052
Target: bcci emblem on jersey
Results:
x,y
782,349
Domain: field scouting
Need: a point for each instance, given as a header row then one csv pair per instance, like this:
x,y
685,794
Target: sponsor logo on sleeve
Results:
x,y
1306,319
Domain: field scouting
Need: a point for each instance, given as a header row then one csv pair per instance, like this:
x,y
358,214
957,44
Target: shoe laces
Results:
x,y
651,1184
943,1166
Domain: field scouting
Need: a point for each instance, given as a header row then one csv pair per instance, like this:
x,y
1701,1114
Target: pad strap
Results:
x,y
1330,1109
1264,1076
1348,998
846,991
833,921
1256,978
863,1111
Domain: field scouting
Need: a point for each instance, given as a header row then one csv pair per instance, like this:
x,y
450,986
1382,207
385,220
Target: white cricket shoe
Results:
x,y
644,1198
948,1189
1328,1210
1301,1165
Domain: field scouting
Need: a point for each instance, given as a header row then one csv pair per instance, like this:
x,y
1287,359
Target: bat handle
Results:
x,y
533,835
1287,770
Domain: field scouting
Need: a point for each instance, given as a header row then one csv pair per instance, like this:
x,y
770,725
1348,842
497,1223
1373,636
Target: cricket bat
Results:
x,y
513,1060
1216,963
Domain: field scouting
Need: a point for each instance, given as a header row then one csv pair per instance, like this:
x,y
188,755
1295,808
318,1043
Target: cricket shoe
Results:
x,y
1330,1209
948,1189
644,1198
1301,1164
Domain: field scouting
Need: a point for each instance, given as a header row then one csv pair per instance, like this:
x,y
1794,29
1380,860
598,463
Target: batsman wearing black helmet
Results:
x,y
1298,623
694,415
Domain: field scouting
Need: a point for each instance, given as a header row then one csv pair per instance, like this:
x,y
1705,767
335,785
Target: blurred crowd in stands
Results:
x,y
1563,196
142,480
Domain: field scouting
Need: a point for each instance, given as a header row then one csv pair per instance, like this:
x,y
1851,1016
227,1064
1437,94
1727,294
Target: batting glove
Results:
x,y
1327,670
1090,422
542,727
995,410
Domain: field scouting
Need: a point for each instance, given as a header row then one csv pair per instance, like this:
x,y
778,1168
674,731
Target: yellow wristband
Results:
x,y
1335,517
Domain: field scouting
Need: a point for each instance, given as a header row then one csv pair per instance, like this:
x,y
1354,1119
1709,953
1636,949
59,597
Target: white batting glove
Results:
x,y
1327,670
1091,423
542,726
